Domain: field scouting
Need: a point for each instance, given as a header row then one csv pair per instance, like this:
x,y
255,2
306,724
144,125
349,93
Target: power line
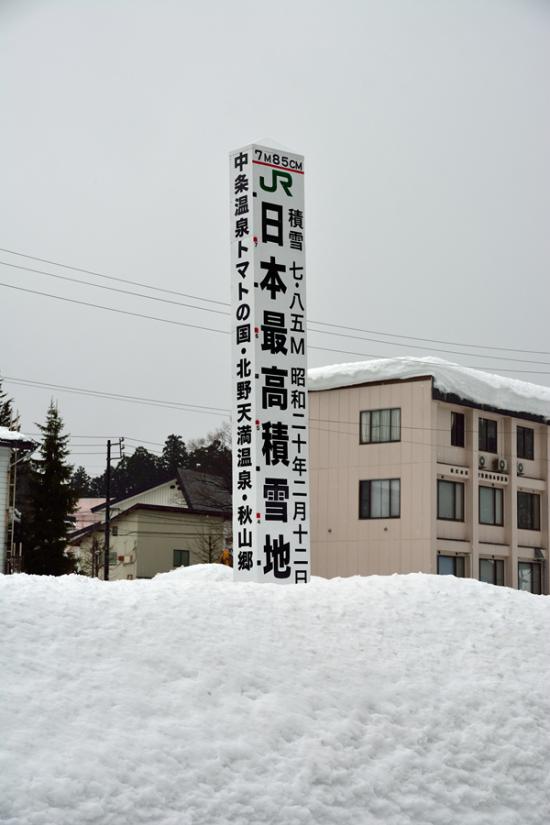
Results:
x,y
355,423
114,278
227,304
181,406
226,332
428,340
318,331
102,438
112,309
114,289
490,368
432,349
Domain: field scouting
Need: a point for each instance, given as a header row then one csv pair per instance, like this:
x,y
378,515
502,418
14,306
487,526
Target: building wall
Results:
x,y
5,455
143,542
343,544
122,543
505,542
159,534
166,495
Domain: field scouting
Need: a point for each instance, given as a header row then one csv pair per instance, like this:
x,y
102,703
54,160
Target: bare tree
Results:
x,y
210,543
89,558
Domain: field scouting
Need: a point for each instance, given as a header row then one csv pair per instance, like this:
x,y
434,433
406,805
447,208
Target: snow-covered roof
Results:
x,y
11,438
475,386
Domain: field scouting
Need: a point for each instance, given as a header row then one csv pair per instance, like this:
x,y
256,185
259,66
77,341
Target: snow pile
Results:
x,y
189,700
200,573
469,384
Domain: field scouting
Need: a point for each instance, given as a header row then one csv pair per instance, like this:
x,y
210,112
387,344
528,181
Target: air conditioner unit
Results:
x,y
482,461
520,468
501,465
120,558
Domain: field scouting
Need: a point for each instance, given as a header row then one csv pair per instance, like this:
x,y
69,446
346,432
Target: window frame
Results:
x,y
498,564
370,413
532,565
494,491
524,450
370,482
456,432
182,564
455,485
454,559
534,512
483,434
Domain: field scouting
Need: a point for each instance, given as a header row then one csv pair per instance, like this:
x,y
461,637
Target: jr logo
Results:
x,y
284,178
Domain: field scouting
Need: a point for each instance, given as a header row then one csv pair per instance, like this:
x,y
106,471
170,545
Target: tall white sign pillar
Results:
x,y
269,368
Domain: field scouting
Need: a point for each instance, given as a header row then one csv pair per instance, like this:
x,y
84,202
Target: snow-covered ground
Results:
x,y
193,700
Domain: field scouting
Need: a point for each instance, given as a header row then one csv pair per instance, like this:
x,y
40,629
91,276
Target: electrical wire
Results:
x,y
112,309
226,332
114,289
227,304
114,278
214,410
346,334
177,405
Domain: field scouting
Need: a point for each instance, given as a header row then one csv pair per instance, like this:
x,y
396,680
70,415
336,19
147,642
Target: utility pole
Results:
x,y
107,514
107,540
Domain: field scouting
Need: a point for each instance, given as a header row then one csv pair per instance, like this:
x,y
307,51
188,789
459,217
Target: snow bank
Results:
x,y
200,573
403,700
469,384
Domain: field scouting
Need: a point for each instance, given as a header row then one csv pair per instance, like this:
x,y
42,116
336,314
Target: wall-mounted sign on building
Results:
x,y
269,370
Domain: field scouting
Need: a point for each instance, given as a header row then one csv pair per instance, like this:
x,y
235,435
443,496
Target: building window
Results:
x,y
528,511
526,443
450,500
379,426
114,530
487,435
380,498
529,577
181,558
457,429
113,558
450,566
491,571
491,506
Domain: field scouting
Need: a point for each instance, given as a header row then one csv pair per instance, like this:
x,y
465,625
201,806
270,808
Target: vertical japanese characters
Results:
x,y
269,370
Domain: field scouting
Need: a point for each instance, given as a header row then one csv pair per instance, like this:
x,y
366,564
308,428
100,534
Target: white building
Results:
x,y
185,520
13,446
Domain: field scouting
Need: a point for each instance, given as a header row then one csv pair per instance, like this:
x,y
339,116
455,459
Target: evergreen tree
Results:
x,y
8,416
213,454
174,454
81,482
52,502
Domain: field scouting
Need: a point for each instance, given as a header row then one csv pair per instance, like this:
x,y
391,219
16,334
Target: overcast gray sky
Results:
x,y
425,127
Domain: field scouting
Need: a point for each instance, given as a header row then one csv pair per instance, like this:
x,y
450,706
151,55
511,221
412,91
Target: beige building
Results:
x,y
419,465
184,521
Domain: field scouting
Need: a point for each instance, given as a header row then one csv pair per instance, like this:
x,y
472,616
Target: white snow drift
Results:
x,y
193,700
470,384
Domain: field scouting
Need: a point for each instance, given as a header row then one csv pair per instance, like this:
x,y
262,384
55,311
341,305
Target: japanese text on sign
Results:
x,y
269,369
